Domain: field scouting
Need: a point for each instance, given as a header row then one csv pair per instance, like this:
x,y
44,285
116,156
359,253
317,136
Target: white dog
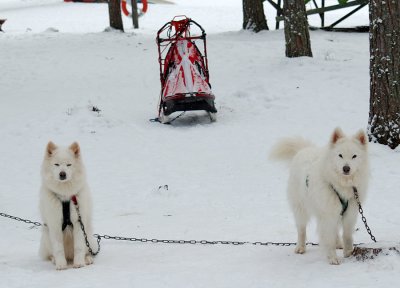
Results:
x,y
322,183
63,181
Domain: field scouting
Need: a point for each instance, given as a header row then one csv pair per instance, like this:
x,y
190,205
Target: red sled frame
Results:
x,y
183,87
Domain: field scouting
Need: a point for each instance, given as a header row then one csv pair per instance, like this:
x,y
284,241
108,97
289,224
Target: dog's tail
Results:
x,y
287,148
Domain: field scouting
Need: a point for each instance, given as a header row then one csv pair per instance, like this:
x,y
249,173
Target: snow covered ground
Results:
x,y
221,185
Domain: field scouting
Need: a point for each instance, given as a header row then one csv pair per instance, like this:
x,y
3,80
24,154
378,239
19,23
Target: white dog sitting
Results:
x,y
322,183
63,182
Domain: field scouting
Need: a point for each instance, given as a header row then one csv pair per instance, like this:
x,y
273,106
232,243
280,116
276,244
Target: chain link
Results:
x,y
40,224
362,214
85,235
194,242
20,219
155,241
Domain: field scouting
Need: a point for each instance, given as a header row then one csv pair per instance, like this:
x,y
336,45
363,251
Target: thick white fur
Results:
x,y
69,245
324,167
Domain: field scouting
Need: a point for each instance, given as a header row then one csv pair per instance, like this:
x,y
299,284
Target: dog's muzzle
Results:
x,y
63,175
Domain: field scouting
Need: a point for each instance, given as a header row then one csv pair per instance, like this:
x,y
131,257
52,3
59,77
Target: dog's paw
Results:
x,y
79,261
88,259
61,264
300,250
78,264
333,260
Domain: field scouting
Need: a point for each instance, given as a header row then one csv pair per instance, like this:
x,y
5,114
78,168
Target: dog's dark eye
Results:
x,y
69,165
340,155
57,164
354,156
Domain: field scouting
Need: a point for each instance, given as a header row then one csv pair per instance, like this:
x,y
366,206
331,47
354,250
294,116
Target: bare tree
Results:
x,y
384,114
297,35
253,16
114,10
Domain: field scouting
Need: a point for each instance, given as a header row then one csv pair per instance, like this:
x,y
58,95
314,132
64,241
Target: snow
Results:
x,y
221,185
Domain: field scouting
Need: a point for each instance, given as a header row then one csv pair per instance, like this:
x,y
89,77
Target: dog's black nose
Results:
x,y
63,175
346,169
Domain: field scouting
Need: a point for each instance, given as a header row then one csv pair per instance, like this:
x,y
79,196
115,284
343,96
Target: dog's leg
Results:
x,y
327,228
300,214
339,242
57,244
79,247
45,246
88,259
301,219
349,222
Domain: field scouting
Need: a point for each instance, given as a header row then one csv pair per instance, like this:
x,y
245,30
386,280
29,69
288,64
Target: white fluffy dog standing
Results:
x,y
63,176
321,184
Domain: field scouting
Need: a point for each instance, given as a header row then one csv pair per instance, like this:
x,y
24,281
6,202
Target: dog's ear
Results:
x,y
75,149
362,137
336,135
50,148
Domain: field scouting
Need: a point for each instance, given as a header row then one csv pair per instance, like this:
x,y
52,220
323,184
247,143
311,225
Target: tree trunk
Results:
x,y
253,16
297,35
114,10
384,113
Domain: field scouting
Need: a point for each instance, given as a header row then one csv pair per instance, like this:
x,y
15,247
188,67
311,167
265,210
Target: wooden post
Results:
x,y
135,16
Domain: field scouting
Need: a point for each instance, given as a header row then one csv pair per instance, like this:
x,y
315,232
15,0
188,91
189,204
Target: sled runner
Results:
x,y
184,73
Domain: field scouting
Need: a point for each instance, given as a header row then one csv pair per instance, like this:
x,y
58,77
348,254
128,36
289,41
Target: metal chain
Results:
x,y
20,219
154,241
362,214
85,235
79,220
194,242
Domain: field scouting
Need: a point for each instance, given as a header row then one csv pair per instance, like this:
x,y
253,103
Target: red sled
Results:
x,y
184,72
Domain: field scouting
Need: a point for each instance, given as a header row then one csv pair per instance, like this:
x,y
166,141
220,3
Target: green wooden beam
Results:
x,y
348,15
335,7
331,8
275,5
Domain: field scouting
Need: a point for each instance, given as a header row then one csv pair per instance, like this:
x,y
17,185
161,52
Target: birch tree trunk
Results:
x,y
297,36
384,114
253,16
